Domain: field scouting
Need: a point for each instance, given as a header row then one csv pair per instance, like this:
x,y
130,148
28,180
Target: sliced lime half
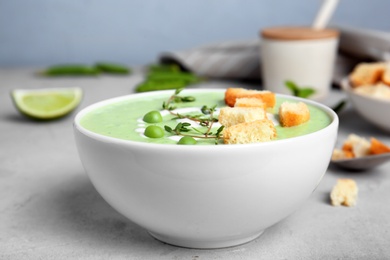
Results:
x,y
46,104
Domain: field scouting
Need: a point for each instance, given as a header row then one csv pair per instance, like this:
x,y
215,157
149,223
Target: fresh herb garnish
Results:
x,y
303,92
175,98
206,119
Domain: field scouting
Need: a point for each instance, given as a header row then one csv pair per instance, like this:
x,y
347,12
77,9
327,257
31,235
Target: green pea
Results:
x,y
187,140
154,131
153,117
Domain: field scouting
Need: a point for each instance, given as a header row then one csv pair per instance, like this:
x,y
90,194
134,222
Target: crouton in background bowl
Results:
x,y
202,196
372,102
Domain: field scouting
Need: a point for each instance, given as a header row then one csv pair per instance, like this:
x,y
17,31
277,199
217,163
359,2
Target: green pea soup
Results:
x,y
122,119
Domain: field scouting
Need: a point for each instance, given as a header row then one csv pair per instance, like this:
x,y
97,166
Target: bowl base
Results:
x,y
204,244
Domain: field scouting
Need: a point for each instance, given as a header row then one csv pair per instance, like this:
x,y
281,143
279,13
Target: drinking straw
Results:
x,y
324,14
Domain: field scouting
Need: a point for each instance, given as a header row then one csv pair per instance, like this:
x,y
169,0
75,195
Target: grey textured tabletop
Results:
x,y
50,210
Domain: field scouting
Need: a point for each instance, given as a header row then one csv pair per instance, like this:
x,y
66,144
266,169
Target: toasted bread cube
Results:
x,y
229,116
293,114
359,146
345,193
341,154
386,75
266,96
367,74
251,132
250,102
379,91
347,147
377,147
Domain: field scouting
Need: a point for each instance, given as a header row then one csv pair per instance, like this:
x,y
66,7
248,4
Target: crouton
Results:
x,y
359,146
356,146
345,193
377,147
229,116
250,102
341,154
293,114
251,132
386,75
266,96
379,91
367,74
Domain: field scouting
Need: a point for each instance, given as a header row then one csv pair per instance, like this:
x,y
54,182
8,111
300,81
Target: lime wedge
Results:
x,y
46,104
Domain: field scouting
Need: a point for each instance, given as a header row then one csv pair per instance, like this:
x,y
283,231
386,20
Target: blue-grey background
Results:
x,y
45,32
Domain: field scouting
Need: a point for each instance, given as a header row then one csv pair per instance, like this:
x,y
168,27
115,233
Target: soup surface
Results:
x,y
123,119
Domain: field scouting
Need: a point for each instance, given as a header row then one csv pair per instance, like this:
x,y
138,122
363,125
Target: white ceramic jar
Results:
x,y
299,54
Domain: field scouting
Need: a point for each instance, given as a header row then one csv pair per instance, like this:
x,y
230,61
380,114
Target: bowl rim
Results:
x,y
107,139
346,86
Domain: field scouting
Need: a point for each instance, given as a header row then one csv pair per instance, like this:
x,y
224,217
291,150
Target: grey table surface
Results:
x,y
50,210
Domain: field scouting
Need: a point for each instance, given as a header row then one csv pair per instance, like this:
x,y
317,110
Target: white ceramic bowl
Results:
x,y
374,110
205,196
